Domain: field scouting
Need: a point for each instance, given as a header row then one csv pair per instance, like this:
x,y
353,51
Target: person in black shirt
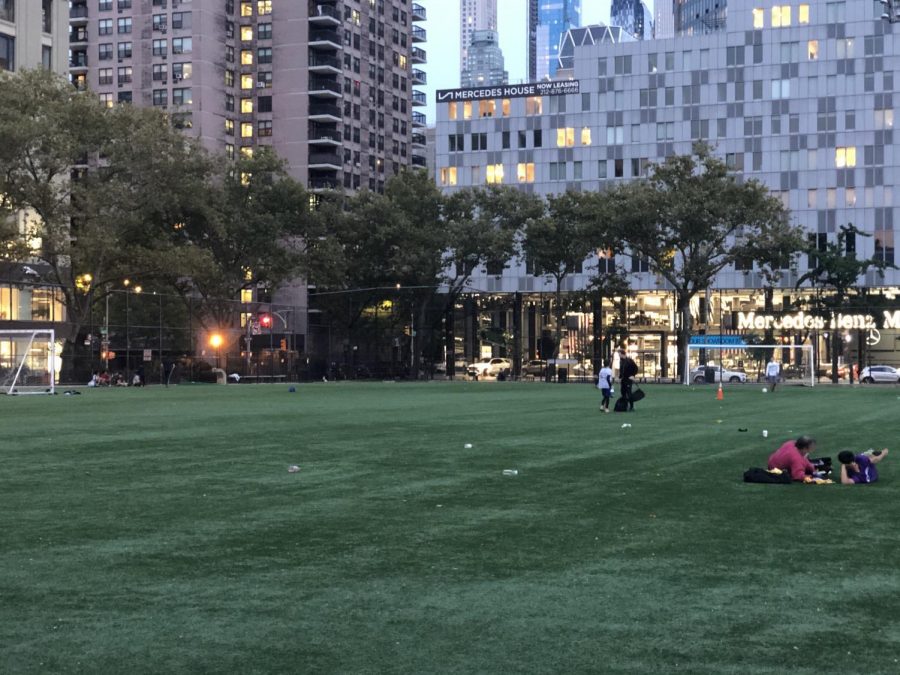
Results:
x,y
628,370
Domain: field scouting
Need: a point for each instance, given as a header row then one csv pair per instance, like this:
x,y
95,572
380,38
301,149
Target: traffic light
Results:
x,y
265,320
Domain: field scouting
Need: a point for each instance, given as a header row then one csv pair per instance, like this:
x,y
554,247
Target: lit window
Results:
x,y
448,176
451,111
487,108
246,82
781,16
247,57
525,172
247,105
759,18
850,196
504,104
246,130
246,295
247,152
586,136
845,157
246,33
565,138
229,127
467,110
246,9
803,14
812,48
264,6
534,105
495,173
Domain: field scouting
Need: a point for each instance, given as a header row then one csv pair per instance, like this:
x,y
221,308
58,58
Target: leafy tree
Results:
x,y
482,227
115,219
251,231
691,218
558,243
838,270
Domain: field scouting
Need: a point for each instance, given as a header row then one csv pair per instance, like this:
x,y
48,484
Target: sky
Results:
x,y
443,40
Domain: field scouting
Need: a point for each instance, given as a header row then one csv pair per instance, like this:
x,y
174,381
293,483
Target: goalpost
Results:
x,y
28,362
740,364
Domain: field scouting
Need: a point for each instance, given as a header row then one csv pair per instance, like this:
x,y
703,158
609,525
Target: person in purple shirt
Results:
x,y
858,469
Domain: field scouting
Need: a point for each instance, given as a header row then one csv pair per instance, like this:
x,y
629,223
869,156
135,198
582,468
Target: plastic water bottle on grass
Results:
x,y
510,472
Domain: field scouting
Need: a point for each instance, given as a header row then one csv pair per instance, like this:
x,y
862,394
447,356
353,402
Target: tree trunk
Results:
x,y
598,333
416,340
835,352
684,334
517,337
449,340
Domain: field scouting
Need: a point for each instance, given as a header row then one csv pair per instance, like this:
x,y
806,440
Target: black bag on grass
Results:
x,y
621,405
763,476
638,395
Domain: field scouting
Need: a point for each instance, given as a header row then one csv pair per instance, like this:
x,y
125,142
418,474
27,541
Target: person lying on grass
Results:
x,y
858,469
793,457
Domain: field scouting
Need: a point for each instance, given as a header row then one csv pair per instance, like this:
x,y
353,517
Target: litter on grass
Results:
x,y
293,468
510,472
468,446
626,426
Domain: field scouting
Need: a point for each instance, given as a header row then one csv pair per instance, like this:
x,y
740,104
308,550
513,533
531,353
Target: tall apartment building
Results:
x,y
33,33
329,84
799,96
634,16
697,17
663,19
548,22
474,15
485,66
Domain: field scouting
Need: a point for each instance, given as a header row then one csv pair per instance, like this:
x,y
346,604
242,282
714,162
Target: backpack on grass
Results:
x,y
621,405
765,476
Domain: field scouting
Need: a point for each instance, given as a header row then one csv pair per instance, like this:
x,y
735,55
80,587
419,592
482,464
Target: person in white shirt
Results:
x,y
604,384
773,373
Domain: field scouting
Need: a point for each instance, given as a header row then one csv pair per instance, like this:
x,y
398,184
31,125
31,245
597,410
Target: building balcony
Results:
x,y
318,183
78,15
418,12
327,112
418,34
418,119
78,36
78,61
320,135
419,76
418,55
325,161
419,161
324,39
323,15
419,98
324,87
322,63
419,140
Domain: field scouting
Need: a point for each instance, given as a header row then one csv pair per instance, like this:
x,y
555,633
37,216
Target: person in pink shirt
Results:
x,y
793,457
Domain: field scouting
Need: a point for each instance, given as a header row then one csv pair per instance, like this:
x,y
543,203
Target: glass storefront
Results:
x,y
31,304
865,332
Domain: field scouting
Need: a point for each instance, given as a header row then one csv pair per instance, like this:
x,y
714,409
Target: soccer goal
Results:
x,y
739,364
28,362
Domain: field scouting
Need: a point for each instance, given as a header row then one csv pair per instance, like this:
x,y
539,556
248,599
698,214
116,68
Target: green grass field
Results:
x,y
159,531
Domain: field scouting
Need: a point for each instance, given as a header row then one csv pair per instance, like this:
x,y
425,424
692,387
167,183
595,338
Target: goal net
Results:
x,y
746,364
28,362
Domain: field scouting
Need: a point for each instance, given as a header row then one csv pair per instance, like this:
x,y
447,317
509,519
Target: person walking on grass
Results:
x,y
773,373
604,384
628,370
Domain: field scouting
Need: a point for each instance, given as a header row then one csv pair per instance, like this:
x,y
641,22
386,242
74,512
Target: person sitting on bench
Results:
x,y
860,469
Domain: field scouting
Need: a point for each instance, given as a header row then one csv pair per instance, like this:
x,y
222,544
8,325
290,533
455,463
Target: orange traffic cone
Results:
x,y
720,395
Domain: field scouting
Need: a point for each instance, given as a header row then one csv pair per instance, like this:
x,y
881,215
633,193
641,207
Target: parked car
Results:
x,y
534,367
880,374
698,374
490,367
583,369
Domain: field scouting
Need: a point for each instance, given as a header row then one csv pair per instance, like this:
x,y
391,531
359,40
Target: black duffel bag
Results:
x,y
764,476
638,395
